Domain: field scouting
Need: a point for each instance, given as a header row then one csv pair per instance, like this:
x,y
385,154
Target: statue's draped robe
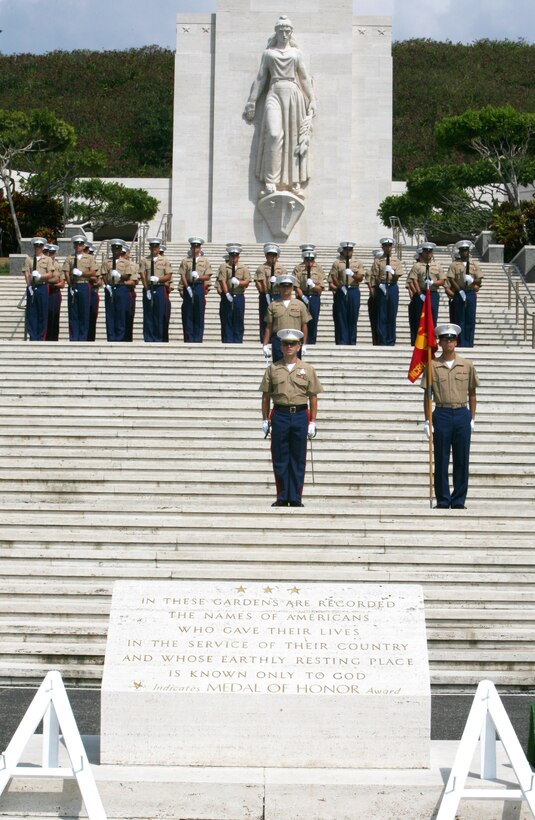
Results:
x,y
283,124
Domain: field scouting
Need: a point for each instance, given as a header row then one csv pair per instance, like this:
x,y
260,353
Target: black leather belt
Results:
x,y
291,408
450,406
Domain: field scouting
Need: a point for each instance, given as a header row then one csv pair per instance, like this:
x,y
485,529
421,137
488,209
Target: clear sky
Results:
x,y
37,26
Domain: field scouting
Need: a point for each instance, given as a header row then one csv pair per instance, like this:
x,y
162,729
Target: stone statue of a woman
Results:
x,y
282,161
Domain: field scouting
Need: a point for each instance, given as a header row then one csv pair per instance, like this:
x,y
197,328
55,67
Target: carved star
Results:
x,y
240,589
137,684
186,29
294,590
268,589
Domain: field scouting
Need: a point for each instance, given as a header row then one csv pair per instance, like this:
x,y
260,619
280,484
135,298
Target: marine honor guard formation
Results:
x,y
288,312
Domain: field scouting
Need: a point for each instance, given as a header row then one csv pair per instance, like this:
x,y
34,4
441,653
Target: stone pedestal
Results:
x,y
203,673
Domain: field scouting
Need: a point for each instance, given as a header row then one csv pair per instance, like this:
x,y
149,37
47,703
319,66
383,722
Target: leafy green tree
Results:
x,y
22,137
99,203
453,197
504,140
56,175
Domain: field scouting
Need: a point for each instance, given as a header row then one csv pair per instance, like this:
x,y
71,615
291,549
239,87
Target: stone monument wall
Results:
x,y
215,190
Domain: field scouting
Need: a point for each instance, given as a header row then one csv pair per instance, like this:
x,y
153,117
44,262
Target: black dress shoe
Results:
x,y
280,504
441,507
296,504
458,507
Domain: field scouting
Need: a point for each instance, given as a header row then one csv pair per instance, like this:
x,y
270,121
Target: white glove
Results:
x,y
234,281
382,287
194,274
428,282
229,297
149,295
268,298
190,292
311,429
305,299
265,426
422,296
30,290
108,288
76,272
468,279
472,424
267,350
349,273
36,275
310,283
389,269
272,280
426,430
344,290
115,275
462,294
154,279
303,349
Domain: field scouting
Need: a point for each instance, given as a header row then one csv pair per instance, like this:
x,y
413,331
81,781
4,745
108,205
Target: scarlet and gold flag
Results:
x,y
425,338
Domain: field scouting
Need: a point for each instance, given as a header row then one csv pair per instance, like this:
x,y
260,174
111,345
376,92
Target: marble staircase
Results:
x,y
148,461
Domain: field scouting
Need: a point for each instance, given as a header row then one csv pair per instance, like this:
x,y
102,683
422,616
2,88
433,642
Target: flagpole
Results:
x,y
420,363
430,417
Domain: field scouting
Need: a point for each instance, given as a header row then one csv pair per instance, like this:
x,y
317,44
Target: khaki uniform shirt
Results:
x,y
225,275
289,388
452,386
418,274
202,266
43,265
378,273
338,277
317,274
126,267
280,317
456,272
162,267
58,274
263,274
84,262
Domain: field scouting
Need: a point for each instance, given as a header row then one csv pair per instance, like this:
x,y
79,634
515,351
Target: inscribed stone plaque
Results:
x,y
210,673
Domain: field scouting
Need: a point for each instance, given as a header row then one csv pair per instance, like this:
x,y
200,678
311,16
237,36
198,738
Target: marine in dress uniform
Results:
x,y
464,279
384,275
344,281
94,297
232,281
287,312
80,270
423,274
266,282
372,299
55,285
310,283
131,284
194,273
38,270
157,276
119,278
454,387
292,385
